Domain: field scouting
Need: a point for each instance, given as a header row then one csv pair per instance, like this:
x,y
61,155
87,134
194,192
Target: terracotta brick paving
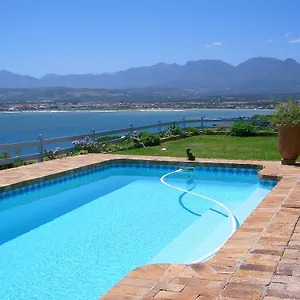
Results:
x,y
260,261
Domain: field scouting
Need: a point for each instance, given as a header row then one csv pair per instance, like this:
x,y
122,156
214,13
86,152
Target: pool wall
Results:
x,y
56,178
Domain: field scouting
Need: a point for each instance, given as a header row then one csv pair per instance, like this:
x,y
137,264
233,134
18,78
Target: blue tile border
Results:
x,y
166,167
269,184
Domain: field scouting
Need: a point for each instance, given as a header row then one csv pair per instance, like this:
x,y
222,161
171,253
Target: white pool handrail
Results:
x,y
230,214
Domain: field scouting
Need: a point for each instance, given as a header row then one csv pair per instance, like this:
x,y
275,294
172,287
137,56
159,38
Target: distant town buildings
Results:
x,y
62,106
84,99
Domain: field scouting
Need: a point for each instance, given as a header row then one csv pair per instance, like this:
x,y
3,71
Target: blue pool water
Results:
x,y
77,237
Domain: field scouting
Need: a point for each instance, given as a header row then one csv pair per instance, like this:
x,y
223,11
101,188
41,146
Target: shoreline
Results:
x,y
135,110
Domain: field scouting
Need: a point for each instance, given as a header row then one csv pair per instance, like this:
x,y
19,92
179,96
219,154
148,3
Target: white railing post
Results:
x,y
41,148
93,135
131,129
183,124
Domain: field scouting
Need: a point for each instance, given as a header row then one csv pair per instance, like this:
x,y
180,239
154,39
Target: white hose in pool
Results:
x,y
230,214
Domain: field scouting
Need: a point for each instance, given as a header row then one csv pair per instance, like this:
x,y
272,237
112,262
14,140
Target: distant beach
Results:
x,y
130,110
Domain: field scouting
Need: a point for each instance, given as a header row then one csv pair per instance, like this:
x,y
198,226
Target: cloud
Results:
x,y
213,45
296,41
287,37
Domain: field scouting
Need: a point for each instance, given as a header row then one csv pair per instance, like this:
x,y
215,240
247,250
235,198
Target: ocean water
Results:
x,y
26,126
76,239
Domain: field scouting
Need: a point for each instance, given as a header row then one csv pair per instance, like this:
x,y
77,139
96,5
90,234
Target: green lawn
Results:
x,y
216,146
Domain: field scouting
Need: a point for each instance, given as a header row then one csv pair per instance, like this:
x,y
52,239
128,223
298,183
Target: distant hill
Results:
x,y
11,80
256,74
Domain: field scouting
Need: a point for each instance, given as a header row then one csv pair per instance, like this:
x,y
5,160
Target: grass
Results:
x,y
216,146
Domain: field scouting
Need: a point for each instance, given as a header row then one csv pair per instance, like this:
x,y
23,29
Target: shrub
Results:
x,y
133,141
261,121
261,117
173,129
149,139
287,114
107,138
192,130
4,155
17,163
220,129
89,146
75,152
127,145
268,130
49,155
243,129
208,131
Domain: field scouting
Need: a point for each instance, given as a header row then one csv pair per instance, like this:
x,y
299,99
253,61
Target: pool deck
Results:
x,y
260,261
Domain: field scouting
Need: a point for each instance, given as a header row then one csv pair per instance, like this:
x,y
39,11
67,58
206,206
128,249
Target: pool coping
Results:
x,y
32,174
261,259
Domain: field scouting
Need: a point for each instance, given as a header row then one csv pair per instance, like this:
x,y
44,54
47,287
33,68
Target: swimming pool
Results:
x,y
76,236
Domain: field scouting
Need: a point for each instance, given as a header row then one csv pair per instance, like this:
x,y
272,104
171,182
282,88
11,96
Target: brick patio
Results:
x,y
260,261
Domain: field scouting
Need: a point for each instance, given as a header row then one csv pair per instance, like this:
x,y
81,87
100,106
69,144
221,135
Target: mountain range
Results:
x,y
260,73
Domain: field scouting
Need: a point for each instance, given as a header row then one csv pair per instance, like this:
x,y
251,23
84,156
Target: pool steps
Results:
x,y
234,223
206,224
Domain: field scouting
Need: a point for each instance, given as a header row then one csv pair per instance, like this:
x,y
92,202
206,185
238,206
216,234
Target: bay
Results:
x,y
26,126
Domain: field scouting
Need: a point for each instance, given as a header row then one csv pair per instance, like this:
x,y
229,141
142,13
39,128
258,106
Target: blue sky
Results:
x,y
96,36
